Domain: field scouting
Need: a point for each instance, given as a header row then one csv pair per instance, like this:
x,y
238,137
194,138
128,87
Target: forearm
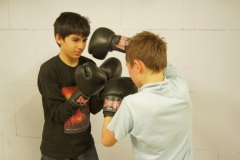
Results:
x,y
54,98
108,137
60,110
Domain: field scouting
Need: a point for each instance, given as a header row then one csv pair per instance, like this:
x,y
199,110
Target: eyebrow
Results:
x,y
84,38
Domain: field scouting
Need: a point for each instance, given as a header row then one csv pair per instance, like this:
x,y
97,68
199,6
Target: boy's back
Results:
x,y
158,119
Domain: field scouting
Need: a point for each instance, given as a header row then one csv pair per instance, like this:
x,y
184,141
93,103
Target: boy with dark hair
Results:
x,y
68,84
159,116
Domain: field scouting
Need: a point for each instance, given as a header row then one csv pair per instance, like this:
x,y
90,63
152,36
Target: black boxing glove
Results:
x,y
114,92
104,40
90,80
113,69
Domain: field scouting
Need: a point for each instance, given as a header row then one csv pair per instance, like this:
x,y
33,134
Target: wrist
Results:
x,y
78,99
108,114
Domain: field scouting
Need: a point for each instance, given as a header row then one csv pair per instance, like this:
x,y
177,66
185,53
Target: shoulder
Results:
x,y
49,66
132,100
84,59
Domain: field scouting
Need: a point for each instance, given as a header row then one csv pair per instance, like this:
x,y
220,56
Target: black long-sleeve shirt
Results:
x,y
67,129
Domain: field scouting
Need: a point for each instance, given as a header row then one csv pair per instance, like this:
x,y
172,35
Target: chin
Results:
x,y
76,56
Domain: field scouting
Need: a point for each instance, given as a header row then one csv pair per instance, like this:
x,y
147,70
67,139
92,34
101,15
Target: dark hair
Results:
x,y
150,49
71,23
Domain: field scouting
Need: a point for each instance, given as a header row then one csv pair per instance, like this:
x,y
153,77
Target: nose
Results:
x,y
81,45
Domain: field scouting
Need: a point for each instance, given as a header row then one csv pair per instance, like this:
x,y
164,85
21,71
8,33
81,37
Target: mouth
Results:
x,y
78,53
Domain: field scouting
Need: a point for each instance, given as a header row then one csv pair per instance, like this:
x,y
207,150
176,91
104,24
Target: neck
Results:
x,y
152,78
72,62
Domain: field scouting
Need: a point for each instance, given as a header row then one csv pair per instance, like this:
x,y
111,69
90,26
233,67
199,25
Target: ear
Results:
x,y
59,39
138,65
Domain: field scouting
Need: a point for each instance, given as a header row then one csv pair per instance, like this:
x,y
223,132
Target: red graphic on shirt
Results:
x,y
79,121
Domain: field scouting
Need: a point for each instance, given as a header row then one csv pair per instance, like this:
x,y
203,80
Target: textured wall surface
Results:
x,y
203,39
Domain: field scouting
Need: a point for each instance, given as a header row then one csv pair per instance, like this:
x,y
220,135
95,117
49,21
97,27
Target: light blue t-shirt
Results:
x,y
158,119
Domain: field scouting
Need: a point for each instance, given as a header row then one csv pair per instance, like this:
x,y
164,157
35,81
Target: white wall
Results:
x,y
203,43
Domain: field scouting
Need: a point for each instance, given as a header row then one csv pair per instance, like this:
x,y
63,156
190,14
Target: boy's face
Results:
x,y
72,46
